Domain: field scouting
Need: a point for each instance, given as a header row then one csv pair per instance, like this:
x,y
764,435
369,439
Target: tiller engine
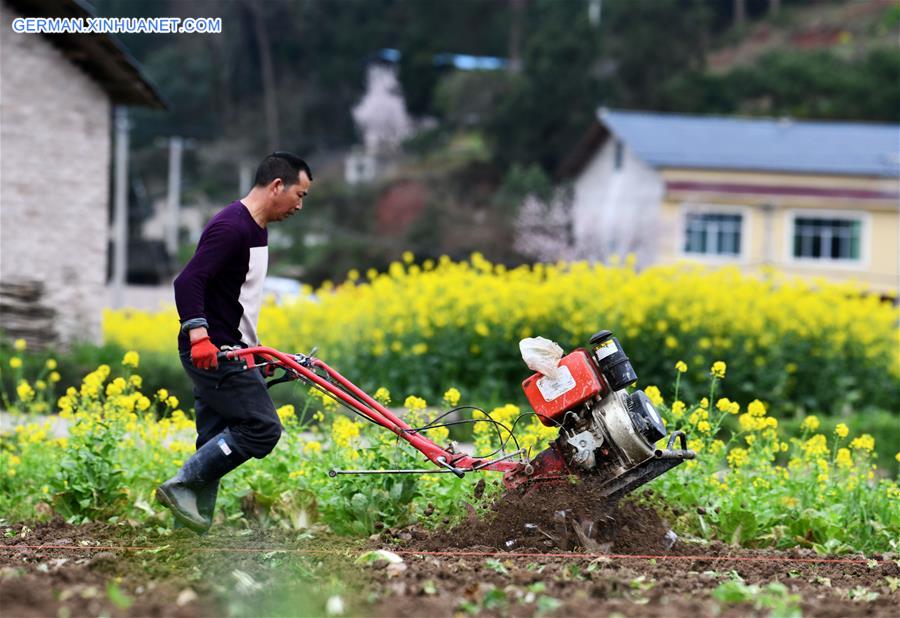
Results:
x,y
604,431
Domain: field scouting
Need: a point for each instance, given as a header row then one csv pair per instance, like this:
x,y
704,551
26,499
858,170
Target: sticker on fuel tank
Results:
x,y
607,348
551,388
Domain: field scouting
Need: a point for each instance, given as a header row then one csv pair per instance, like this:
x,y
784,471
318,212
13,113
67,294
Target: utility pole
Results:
x,y
740,12
517,8
595,12
173,201
120,207
245,177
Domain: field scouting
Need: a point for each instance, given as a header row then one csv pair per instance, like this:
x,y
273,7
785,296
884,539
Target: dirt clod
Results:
x,y
478,492
564,516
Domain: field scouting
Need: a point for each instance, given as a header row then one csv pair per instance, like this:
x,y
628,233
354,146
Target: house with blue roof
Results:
x,y
814,199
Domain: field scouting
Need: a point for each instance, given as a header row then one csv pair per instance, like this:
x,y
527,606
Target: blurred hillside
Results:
x,y
287,74
820,60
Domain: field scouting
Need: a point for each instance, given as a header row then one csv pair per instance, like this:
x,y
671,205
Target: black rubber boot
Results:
x,y
211,462
206,503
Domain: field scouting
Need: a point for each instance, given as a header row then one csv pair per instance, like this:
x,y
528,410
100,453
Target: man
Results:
x,y
218,296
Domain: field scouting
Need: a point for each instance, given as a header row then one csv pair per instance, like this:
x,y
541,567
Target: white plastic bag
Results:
x,y
541,355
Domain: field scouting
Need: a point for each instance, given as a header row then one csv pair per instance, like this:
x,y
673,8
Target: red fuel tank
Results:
x,y
578,381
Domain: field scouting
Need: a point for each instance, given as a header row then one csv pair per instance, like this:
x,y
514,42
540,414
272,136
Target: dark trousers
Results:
x,y
241,405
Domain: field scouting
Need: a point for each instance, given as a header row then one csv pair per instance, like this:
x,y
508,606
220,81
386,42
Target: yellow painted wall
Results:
x,y
766,236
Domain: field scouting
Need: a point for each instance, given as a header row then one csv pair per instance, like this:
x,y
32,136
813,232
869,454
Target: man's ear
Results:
x,y
276,186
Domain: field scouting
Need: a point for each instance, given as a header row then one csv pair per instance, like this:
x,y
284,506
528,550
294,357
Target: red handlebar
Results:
x,y
351,395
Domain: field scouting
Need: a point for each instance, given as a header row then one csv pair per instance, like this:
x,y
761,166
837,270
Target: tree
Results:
x,y
381,114
551,101
818,84
648,41
543,229
257,13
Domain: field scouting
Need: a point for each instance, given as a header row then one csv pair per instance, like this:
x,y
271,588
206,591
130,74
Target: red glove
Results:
x,y
269,370
204,354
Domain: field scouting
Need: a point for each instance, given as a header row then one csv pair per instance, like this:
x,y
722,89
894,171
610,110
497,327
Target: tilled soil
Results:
x,y
234,572
517,585
555,551
558,516
106,570
77,575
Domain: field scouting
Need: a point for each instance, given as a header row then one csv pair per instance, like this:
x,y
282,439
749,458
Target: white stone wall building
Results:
x,y
57,93
615,205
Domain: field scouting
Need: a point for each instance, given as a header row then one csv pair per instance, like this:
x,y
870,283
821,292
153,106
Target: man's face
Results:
x,y
288,199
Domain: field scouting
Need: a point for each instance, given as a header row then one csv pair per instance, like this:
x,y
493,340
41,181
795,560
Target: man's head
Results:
x,y
284,179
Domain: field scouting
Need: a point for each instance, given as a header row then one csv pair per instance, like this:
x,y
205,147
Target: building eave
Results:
x,y
101,56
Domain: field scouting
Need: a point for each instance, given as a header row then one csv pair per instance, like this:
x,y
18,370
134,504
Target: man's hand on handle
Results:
x,y
204,353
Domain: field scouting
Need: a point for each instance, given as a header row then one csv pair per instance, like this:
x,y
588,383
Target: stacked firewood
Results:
x,y
26,314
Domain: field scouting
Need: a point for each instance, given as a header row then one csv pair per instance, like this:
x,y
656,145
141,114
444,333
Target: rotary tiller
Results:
x,y
604,431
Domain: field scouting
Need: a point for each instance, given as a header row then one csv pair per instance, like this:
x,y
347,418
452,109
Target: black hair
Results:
x,y
283,165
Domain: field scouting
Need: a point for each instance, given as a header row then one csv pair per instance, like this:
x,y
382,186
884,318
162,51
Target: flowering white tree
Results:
x,y
381,114
543,230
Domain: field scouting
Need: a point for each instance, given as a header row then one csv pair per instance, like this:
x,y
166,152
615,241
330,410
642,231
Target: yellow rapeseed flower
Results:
x,y
116,387
383,395
286,413
312,447
843,459
654,395
54,377
698,416
810,423
816,446
756,408
677,409
738,457
51,364
20,345
24,391
15,362
343,431
718,369
681,367
865,442
413,403
452,396
841,430
131,359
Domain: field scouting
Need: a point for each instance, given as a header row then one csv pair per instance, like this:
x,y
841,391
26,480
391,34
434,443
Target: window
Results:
x,y
713,234
822,238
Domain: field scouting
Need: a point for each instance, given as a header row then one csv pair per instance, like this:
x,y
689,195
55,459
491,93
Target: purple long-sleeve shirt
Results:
x,y
223,282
